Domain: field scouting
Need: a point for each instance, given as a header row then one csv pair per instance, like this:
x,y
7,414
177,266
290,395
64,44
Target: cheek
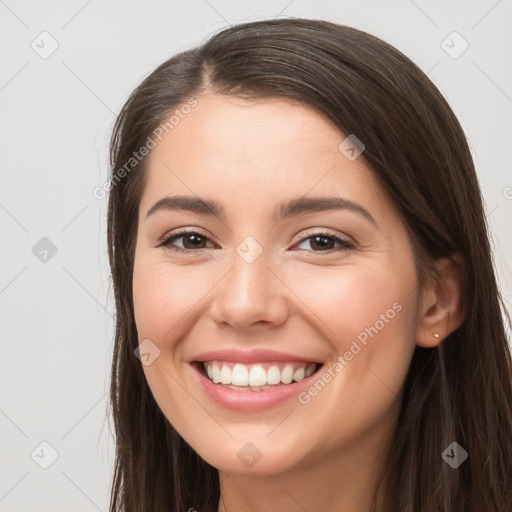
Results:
x,y
164,299
358,302
164,303
368,317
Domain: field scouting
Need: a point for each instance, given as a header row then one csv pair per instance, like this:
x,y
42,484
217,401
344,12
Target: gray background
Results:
x,y
57,114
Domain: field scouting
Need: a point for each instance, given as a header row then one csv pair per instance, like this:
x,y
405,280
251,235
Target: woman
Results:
x,y
307,311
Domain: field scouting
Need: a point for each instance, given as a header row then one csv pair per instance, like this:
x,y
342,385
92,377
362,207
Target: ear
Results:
x,y
441,304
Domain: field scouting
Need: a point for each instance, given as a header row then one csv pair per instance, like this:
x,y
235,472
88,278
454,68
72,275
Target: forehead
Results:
x,y
254,151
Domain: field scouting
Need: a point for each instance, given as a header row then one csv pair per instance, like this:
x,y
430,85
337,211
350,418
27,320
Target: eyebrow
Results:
x,y
291,208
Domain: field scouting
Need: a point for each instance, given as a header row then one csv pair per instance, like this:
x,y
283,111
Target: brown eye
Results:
x,y
324,242
190,240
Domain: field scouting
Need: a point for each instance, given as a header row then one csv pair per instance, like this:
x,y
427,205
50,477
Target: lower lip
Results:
x,y
248,400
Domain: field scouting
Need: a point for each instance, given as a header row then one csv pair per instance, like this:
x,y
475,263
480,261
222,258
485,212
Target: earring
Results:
x,y
436,335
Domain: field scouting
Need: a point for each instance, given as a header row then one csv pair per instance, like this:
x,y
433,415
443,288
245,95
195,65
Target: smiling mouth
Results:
x,y
256,377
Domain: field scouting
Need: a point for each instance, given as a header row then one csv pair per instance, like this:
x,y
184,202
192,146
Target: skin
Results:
x,y
295,298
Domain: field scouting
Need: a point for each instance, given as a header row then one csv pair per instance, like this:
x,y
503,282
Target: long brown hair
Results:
x,y
460,391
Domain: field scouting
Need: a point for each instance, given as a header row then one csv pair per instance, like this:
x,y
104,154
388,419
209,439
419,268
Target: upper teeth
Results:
x,y
239,374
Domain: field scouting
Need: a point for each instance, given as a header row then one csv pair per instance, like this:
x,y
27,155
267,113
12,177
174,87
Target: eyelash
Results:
x,y
166,241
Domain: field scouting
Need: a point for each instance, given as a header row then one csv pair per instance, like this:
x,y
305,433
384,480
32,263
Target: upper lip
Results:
x,y
250,356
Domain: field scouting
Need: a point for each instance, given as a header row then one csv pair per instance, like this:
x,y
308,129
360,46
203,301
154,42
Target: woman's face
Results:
x,y
275,281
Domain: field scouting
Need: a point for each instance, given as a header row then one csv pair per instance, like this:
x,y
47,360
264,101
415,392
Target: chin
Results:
x,y
257,457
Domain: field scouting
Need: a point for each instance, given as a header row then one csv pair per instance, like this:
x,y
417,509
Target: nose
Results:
x,y
251,295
